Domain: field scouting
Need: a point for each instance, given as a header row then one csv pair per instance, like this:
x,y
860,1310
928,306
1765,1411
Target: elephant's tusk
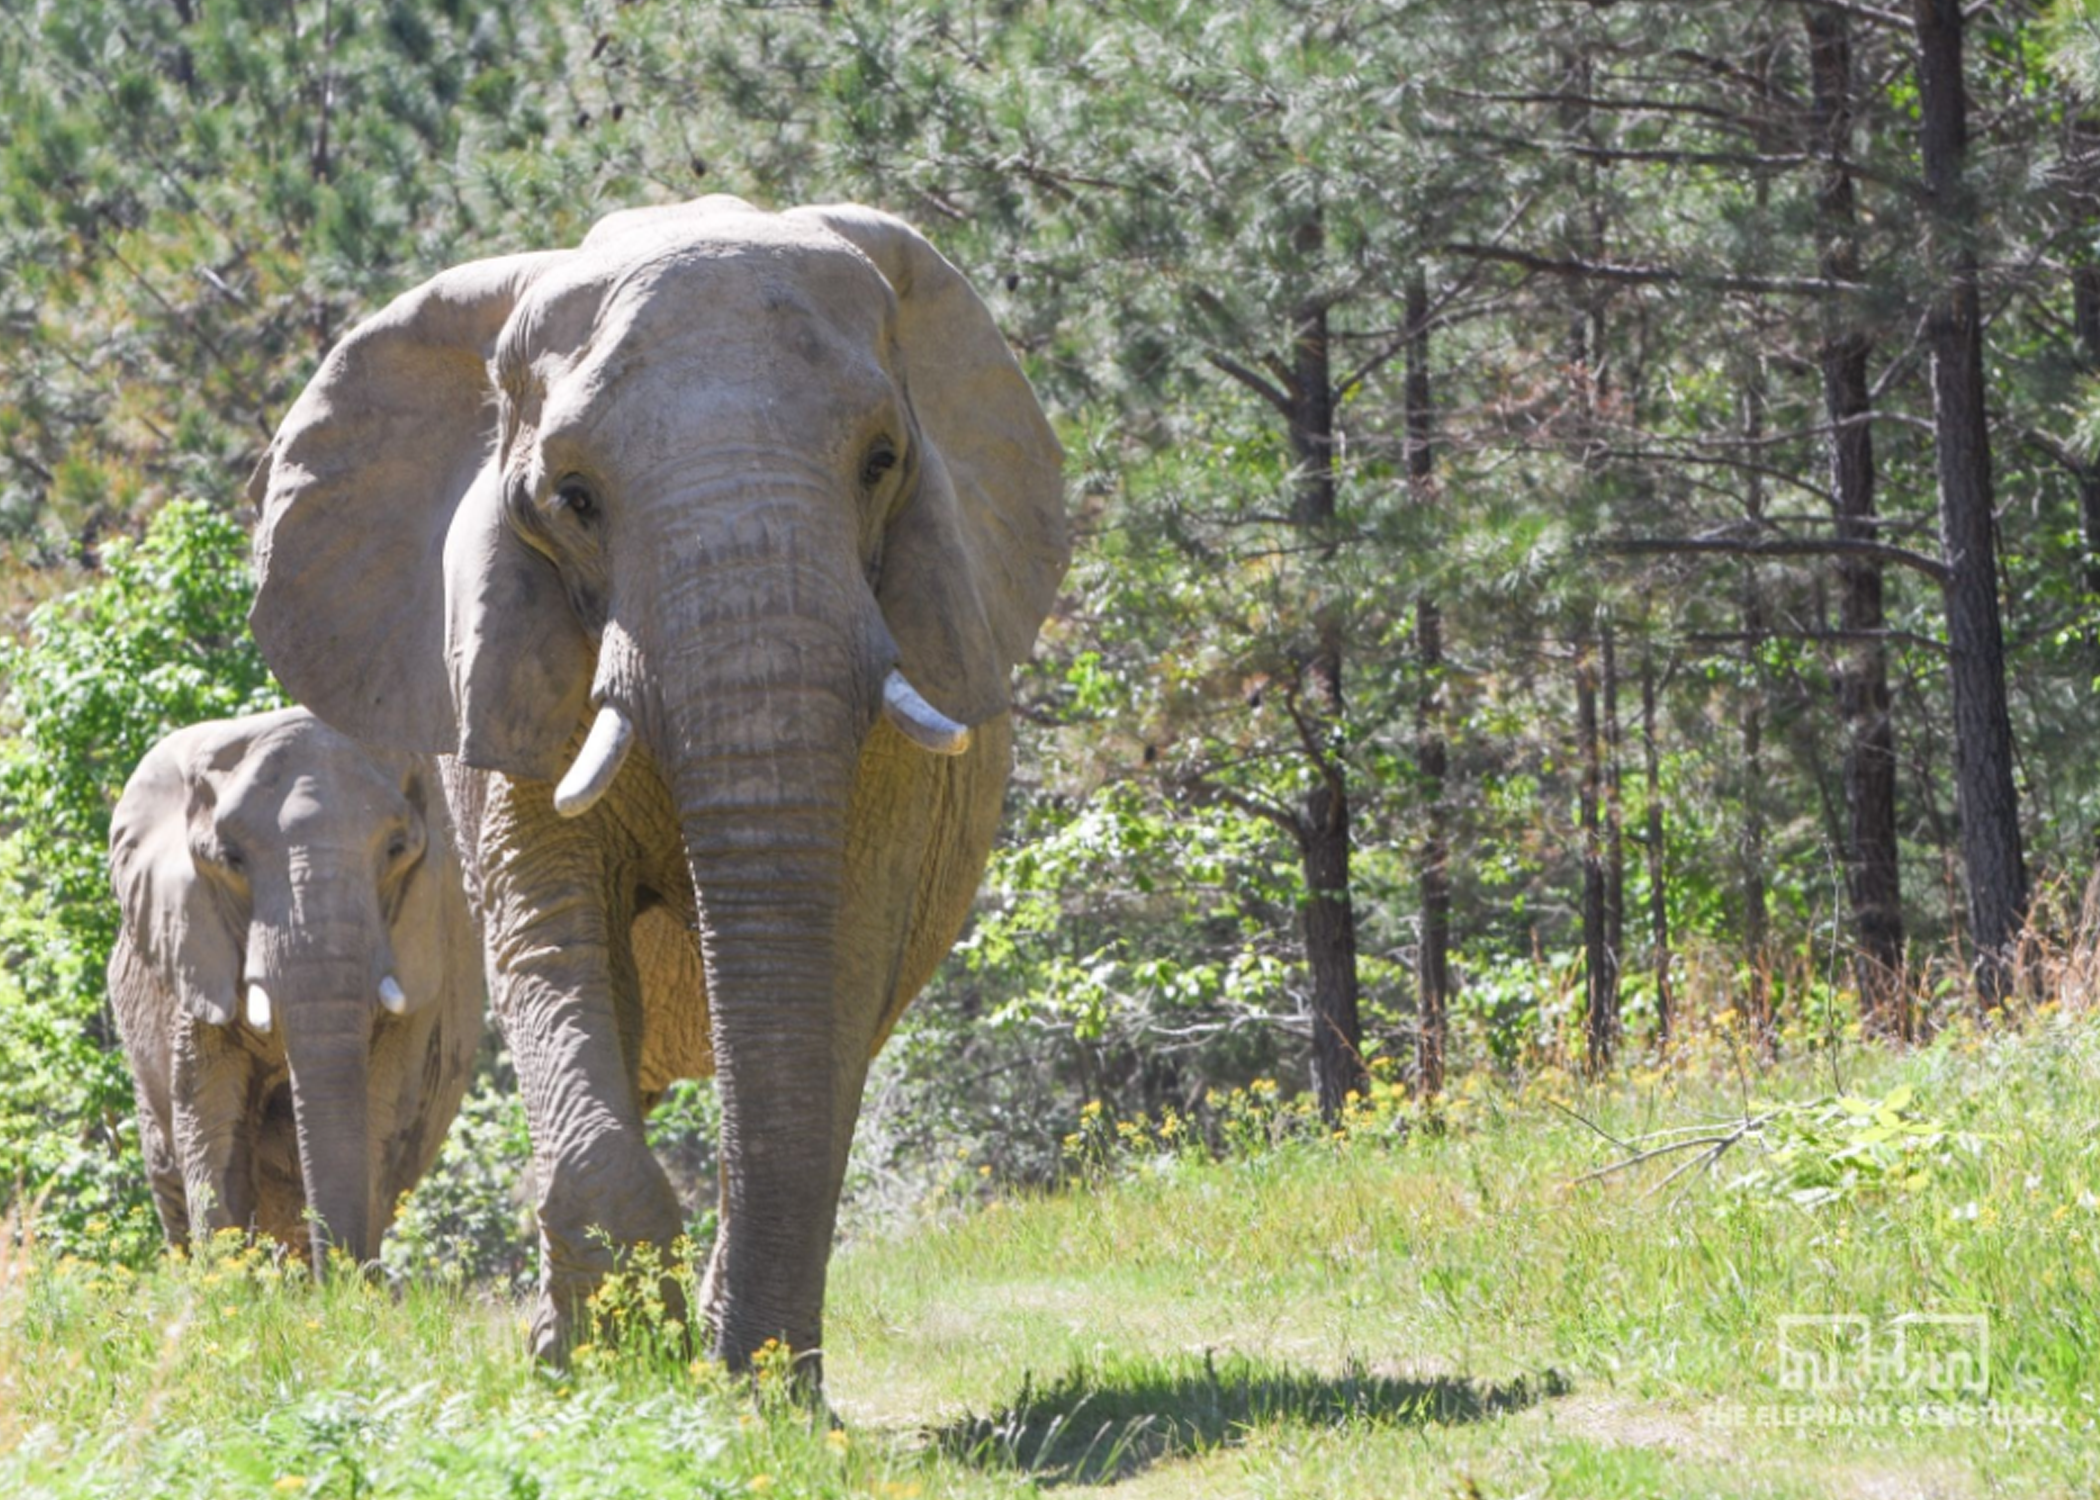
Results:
x,y
391,996
259,1008
921,723
597,763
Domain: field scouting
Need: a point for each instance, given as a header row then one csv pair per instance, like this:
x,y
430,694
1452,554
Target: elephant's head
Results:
x,y
283,879
741,486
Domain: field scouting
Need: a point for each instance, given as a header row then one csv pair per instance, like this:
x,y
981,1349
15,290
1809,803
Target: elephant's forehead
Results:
x,y
293,779
736,278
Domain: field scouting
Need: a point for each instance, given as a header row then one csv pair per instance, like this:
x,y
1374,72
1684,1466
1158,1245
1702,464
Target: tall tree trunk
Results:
x,y
1324,835
1600,1021
1756,961
1431,756
1614,817
1658,867
1993,861
2085,317
1873,879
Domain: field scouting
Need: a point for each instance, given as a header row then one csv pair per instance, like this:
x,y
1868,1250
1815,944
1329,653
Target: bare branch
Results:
x,y
1751,637
1252,380
1638,275
1649,546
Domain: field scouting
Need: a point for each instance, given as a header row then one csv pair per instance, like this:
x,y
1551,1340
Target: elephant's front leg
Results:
x,y
214,1136
564,993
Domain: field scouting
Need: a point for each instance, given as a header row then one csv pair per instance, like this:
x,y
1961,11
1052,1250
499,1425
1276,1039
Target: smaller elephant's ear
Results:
x,y
372,612
973,559
176,919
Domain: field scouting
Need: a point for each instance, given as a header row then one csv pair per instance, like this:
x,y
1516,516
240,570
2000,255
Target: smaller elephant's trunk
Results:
x,y
320,962
330,1054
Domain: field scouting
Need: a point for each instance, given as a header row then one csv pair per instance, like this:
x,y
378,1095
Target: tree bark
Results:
x,y
1600,1023
1325,836
1873,879
1756,961
1994,863
1614,818
2085,317
1431,756
1658,866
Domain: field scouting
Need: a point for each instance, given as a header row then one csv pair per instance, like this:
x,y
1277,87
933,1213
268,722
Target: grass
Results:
x,y
1448,1311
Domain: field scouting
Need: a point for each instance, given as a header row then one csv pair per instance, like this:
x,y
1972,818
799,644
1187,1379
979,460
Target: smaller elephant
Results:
x,y
297,979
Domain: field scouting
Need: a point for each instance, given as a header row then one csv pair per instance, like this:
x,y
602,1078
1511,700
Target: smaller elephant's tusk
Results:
x,y
259,1008
597,763
391,996
214,1015
921,723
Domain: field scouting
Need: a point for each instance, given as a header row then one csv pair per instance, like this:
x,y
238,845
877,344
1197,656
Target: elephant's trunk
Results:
x,y
330,1054
767,663
318,967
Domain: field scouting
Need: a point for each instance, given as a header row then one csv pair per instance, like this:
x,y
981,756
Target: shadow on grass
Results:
x,y
1104,1422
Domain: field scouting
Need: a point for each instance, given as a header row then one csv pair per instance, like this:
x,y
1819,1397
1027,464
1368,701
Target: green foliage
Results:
x,y
1823,1151
467,1220
158,640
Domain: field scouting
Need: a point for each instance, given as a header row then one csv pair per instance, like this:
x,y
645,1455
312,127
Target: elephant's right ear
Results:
x,y
391,599
177,921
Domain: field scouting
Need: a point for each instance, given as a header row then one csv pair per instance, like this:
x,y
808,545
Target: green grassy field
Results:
x,y
1444,1312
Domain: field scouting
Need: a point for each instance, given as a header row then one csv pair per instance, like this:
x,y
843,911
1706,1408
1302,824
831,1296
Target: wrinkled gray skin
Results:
x,y
296,979
711,476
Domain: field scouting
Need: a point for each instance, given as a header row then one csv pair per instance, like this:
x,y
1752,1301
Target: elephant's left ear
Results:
x,y
972,562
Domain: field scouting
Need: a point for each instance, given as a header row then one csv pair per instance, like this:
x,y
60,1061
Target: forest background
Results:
x,y
1587,514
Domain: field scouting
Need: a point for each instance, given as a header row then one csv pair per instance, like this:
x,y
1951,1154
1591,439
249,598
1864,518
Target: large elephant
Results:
x,y
733,524
296,978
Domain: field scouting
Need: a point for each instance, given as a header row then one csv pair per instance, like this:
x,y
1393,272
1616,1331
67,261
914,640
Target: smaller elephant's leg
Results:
x,y
212,1130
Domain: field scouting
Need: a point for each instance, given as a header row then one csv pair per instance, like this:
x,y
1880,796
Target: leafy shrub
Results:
x,y
158,640
470,1218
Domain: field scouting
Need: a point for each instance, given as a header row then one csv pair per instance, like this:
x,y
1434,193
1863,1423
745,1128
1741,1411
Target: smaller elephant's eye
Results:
x,y
575,497
880,460
396,846
232,858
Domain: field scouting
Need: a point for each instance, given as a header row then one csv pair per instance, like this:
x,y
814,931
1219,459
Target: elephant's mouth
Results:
x,y
605,748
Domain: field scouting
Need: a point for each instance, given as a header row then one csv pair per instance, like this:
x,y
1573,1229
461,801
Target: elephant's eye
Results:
x,y
233,859
396,847
880,460
575,497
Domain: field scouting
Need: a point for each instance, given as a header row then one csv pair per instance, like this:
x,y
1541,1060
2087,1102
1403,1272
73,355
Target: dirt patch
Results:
x,y
1622,1422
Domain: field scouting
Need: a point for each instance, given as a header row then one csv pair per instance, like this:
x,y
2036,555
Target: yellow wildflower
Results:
x,y
290,1482
760,1482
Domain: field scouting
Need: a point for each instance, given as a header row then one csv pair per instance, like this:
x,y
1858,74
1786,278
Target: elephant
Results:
x,y
708,547
296,979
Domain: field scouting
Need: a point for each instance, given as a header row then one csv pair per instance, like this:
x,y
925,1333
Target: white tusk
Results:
x,y
921,723
214,1015
390,995
597,763
259,1008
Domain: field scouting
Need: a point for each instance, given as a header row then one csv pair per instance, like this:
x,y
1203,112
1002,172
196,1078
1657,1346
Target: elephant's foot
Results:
x,y
621,1304
609,1265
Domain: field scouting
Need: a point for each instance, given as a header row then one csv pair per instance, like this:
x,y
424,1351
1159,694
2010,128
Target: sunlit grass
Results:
x,y
1426,1304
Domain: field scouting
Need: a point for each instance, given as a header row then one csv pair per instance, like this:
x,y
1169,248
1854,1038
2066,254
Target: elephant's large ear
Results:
x,y
973,559
390,599
177,921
